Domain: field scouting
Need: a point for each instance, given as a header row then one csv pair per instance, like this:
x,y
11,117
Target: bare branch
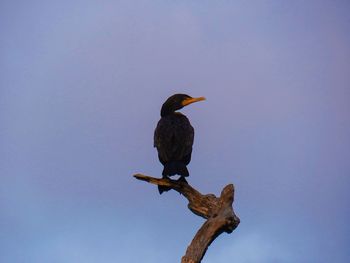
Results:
x,y
217,210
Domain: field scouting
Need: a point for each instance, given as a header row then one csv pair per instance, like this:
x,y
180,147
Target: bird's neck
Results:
x,y
166,111
173,113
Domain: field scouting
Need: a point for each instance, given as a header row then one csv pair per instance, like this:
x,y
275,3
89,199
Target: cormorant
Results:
x,y
173,137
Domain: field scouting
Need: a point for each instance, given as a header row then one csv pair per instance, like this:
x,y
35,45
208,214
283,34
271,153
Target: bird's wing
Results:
x,y
163,139
173,138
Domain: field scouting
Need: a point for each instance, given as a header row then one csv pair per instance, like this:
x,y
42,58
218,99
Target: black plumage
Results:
x,y
173,137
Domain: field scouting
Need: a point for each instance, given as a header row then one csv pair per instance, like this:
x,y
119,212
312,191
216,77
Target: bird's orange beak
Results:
x,y
188,101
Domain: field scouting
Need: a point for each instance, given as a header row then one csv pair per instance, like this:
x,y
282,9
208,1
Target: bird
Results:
x,y
173,137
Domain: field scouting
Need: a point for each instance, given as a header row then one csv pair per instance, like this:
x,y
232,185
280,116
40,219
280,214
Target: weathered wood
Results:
x,y
217,210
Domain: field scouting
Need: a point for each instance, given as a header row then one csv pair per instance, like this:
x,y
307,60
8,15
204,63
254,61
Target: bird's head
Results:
x,y
177,102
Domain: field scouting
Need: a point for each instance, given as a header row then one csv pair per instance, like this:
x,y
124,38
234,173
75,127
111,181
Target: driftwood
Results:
x,y
217,210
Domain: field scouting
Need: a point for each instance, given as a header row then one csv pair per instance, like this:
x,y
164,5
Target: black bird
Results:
x,y
173,137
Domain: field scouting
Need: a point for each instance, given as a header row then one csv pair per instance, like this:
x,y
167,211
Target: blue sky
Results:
x,y
81,86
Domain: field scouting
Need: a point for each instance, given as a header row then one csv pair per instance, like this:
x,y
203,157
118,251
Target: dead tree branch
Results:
x,y
217,210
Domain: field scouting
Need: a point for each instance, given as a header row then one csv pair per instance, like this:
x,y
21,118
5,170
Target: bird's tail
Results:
x,y
162,189
175,167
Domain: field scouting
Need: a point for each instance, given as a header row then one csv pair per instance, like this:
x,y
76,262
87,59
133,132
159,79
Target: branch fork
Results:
x,y
217,211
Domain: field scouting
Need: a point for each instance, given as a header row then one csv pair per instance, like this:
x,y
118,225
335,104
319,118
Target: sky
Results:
x,y
81,87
